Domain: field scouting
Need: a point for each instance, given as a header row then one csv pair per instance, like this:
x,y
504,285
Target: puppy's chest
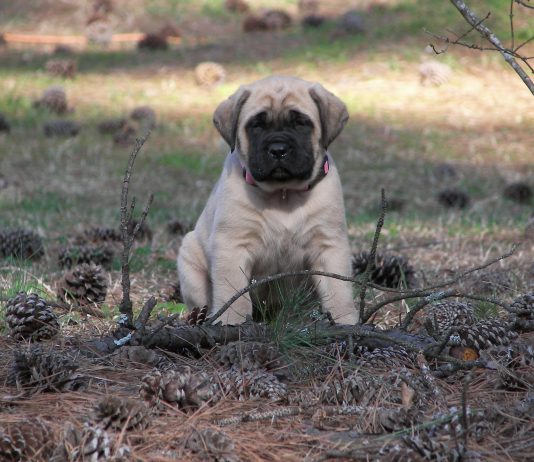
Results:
x,y
284,239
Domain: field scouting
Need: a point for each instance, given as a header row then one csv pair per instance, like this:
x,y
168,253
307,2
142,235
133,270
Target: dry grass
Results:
x,y
481,122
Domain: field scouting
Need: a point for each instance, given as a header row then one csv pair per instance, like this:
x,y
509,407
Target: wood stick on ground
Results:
x,y
125,306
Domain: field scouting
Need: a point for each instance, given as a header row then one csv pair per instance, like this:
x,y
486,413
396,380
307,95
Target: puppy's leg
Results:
x,y
336,295
193,273
231,268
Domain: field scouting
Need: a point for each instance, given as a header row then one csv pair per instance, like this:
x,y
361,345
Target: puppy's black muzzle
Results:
x,y
278,150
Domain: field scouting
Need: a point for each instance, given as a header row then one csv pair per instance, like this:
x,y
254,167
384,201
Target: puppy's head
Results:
x,y
281,128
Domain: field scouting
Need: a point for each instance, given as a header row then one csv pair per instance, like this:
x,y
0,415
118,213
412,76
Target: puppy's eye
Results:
x,y
260,121
300,120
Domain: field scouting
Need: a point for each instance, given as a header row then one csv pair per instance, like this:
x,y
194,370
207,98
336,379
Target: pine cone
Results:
x,y
209,74
386,270
65,68
249,356
444,315
30,440
276,19
99,234
253,23
54,99
38,370
387,357
351,389
518,192
144,231
111,126
125,136
153,42
313,20
363,389
434,73
145,115
197,316
188,389
522,312
121,414
79,254
85,444
351,22
66,128
30,317
176,227
4,124
486,333
253,384
453,198
83,285
63,50
432,448
20,243
212,445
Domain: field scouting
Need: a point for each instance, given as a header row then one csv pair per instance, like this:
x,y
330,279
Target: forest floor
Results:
x,y
472,133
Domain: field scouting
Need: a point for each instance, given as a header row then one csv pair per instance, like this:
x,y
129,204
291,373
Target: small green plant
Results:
x,y
485,310
291,309
171,307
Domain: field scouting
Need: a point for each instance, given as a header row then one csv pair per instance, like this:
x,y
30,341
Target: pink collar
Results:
x,y
324,171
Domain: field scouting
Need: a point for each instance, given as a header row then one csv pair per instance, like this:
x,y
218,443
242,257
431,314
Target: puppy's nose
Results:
x,y
278,150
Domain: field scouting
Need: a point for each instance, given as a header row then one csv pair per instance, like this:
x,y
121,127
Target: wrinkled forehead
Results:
x,y
278,100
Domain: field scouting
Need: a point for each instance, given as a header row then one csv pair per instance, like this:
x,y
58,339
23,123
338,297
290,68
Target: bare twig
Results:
x,y
429,290
522,3
142,319
125,306
372,255
274,277
509,55
433,297
402,293
512,33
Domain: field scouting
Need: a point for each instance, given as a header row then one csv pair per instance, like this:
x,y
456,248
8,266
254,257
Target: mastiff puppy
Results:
x,y
278,205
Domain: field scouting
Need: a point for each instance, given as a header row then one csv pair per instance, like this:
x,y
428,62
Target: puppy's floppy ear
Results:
x,y
332,112
226,116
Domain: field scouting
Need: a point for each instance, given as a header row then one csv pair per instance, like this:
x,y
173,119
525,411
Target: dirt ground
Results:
x,y
472,132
